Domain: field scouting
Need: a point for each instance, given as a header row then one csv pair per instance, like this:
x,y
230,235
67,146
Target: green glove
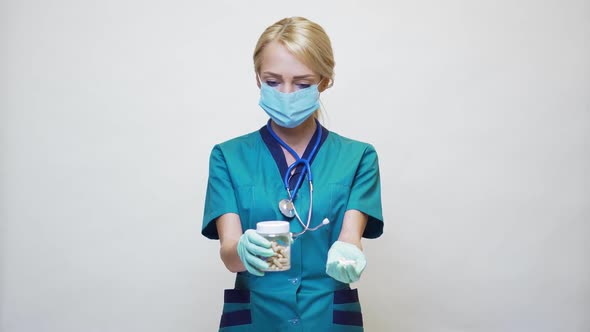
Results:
x,y
251,247
346,262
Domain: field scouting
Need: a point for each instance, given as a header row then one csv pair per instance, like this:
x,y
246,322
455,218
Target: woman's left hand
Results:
x,y
346,262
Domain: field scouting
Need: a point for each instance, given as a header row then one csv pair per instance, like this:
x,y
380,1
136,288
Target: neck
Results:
x,y
297,137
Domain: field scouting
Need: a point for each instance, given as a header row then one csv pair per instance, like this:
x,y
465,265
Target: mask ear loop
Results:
x,y
322,109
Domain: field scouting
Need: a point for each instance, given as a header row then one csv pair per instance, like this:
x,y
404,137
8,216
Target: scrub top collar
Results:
x,y
279,157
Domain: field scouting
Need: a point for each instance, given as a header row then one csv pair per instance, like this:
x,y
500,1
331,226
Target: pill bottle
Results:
x,y
277,232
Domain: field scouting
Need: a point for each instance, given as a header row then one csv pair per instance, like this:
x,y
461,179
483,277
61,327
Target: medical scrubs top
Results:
x,y
246,177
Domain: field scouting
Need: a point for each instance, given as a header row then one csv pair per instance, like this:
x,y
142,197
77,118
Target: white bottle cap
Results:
x,y
272,227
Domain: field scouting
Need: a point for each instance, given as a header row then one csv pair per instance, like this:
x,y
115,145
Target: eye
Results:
x,y
272,83
303,85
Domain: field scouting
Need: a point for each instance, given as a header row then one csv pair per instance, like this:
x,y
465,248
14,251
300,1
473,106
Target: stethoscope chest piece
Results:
x,y
286,207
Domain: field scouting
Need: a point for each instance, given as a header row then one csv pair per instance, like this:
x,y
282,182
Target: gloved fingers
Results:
x,y
253,264
346,262
242,252
331,267
253,270
257,239
332,270
257,250
257,264
351,274
338,271
248,251
343,272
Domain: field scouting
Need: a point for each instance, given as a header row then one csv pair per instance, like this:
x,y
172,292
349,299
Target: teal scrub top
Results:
x,y
245,178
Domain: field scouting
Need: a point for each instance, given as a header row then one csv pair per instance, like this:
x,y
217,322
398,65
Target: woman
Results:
x,y
337,198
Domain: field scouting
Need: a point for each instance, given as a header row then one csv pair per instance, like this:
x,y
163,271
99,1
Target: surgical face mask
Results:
x,y
289,110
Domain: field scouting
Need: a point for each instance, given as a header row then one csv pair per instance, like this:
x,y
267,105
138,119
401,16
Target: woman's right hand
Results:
x,y
251,247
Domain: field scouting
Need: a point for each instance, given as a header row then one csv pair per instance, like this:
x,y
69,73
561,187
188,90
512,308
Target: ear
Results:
x,y
257,81
324,84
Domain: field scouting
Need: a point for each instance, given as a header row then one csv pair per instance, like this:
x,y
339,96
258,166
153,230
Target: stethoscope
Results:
x,y
286,205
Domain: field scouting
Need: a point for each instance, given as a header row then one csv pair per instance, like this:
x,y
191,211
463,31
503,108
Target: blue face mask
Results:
x,y
289,110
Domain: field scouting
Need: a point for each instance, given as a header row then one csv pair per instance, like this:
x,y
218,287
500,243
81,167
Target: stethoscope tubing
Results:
x,y
298,161
306,171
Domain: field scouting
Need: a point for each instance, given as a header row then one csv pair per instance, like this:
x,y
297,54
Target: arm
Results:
x,y
353,226
229,229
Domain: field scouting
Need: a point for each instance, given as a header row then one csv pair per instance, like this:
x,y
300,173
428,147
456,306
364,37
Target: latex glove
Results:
x,y
250,246
346,262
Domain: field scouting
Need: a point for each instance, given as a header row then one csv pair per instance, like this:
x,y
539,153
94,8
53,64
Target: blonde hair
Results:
x,y
306,40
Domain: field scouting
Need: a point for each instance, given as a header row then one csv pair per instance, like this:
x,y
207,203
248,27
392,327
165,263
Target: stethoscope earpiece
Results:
x,y
324,223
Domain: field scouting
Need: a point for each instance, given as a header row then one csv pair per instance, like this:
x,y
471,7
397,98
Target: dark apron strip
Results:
x,y
346,296
348,318
234,318
236,296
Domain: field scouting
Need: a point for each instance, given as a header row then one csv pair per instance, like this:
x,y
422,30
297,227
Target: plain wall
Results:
x,y
479,110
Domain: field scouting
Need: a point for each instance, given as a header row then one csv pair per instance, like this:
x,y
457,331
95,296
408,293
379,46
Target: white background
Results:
x,y
480,112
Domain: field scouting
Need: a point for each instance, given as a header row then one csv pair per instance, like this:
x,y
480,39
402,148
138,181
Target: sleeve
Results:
x,y
365,194
220,198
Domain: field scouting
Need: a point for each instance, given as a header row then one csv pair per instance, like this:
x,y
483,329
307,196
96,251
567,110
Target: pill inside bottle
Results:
x,y
277,232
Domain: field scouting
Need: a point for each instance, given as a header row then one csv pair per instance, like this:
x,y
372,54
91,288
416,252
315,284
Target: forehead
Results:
x,y
277,59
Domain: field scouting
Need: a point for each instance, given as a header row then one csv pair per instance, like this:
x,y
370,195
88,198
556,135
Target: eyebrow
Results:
x,y
295,77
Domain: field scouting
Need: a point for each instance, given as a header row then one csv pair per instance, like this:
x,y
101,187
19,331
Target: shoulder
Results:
x,y
238,143
347,144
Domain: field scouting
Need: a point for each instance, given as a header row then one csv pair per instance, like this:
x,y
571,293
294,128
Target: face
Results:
x,y
283,71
